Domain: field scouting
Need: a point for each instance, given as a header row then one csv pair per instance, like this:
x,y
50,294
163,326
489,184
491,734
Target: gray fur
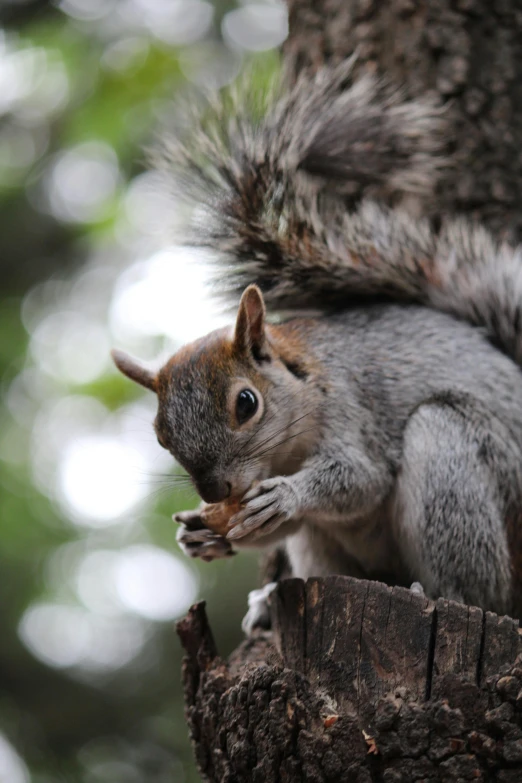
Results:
x,y
417,462
466,558
421,455
413,473
271,193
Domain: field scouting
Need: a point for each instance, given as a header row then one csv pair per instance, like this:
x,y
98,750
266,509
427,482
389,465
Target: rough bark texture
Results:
x,y
466,51
358,682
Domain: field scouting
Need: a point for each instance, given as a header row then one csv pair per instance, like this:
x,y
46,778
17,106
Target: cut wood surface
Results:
x,y
358,682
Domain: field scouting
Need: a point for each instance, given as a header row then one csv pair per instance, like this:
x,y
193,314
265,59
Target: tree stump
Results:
x,y
358,682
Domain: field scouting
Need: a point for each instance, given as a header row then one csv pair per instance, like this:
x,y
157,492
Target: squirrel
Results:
x,y
375,430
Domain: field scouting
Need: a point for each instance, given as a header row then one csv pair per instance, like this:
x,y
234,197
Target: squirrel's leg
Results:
x,y
313,551
274,566
258,614
355,485
448,520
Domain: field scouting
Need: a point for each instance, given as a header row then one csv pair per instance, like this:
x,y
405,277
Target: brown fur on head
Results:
x,y
226,401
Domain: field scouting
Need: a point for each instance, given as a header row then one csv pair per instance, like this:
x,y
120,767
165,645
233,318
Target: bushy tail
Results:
x,y
275,197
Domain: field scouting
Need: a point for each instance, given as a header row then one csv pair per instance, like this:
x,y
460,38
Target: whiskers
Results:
x,y
170,483
267,446
283,441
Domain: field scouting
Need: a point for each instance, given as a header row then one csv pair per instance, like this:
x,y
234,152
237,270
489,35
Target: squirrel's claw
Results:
x,y
268,505
190,519
203,543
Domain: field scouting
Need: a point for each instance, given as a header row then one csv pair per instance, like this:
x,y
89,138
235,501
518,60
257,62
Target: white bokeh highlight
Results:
x,y
12,768
71,347
93,576
166,295
65,636
105,623
33,81
101,479
256,27
177,21
81,182
153,583
86,10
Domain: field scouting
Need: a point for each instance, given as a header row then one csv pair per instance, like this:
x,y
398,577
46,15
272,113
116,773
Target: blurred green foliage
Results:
x,y
69,723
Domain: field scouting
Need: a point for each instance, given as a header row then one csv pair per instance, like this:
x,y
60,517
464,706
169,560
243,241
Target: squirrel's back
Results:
x,y
400,356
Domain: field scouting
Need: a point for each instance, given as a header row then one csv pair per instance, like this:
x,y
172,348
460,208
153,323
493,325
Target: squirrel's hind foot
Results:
x,y
258,615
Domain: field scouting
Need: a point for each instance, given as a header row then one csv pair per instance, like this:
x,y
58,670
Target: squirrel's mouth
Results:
x,y
214,491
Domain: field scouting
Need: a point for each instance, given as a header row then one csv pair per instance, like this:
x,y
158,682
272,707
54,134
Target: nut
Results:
x,y
216,516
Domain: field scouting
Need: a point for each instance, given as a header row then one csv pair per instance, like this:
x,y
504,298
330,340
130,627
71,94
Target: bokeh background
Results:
x,y
91,579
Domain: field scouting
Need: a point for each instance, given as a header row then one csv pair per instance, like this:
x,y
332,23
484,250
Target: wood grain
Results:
x,y
358,681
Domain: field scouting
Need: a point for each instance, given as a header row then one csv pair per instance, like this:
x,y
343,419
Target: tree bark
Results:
x,y
358,682
468,52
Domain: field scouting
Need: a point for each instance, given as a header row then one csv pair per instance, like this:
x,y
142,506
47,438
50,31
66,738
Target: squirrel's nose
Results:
x,y
214,491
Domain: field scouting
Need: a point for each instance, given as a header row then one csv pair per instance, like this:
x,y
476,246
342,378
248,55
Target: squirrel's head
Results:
x,y
230,405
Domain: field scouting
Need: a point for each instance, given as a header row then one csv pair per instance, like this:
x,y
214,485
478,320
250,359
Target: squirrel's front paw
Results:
x,y
197,541
267,506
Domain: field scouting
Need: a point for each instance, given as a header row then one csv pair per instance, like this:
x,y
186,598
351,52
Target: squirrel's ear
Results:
x,y
250,334
133,370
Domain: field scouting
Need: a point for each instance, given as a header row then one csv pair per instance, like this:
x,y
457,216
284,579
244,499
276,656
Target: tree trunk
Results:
x,y
358,682
466,51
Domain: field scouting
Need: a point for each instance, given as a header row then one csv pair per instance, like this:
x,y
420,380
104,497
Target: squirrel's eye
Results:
x,y
246,405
